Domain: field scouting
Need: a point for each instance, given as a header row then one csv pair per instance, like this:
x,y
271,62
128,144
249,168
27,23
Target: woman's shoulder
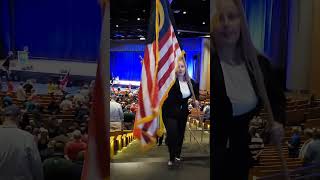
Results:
x,y
264,60
265,63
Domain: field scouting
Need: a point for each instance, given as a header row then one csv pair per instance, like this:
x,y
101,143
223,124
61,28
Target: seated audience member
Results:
x,y
7,101
134,107
10,87
29,105
1,84
81,113
312,154
308,134
77,166
20,93
53,127
28,86
35,132
85,91
256,146
294,143
84,133
128,117
70,132
63,135
53,106
57,166
58,92
75,146
66,104
78,98
43,140
29,129
206,111
34,96
51,87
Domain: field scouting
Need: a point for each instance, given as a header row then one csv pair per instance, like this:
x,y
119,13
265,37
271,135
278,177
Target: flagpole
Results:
x,y
104,69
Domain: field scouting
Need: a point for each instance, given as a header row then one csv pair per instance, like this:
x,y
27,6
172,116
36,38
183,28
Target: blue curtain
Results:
x,y
64,29
268,23
126,65
125,58
4,30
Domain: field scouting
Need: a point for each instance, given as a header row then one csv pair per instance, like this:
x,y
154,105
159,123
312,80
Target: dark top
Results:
x,y
28,88
57,167
222,107
175,106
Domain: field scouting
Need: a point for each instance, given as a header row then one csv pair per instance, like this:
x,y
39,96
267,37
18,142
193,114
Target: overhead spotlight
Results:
x,y
117,25
178,32
184,12
138,19
142,38
144,10
176,11
203,22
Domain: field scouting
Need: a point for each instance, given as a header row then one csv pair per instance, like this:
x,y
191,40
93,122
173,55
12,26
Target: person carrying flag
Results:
x,y
175,111
163,61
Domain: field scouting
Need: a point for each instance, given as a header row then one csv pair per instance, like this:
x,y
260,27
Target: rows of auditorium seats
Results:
x,y
119,140
300,112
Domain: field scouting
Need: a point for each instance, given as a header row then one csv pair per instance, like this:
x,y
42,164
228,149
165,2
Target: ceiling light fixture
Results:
x,y
138,19
184,12
117,25
203,22
142,38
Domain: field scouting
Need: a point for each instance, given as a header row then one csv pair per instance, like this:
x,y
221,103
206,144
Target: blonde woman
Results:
x,y
175,111
242,84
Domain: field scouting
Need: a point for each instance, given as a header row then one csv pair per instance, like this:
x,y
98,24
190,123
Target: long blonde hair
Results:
x,y
250,54
186,74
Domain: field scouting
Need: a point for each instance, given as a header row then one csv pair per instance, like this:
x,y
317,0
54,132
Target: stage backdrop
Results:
x,y
125,58
52,29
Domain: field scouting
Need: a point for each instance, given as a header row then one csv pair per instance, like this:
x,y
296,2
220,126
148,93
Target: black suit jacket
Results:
x,y
175,106
222,107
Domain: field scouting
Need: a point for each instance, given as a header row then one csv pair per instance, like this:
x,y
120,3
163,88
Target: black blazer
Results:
x,y
222,107
175,106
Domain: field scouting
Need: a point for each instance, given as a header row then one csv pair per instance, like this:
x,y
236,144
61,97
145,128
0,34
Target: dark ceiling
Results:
x,y
125,13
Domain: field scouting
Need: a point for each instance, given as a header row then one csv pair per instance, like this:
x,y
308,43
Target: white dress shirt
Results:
x,y
239,88
116,113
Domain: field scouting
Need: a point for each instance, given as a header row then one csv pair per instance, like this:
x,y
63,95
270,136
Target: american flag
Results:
x,y
97,158
64,81
158,72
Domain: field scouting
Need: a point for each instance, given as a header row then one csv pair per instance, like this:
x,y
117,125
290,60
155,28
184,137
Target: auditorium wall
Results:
x,y
303,43
315,60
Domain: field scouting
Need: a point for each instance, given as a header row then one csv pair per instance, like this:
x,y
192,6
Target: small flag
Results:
x,y
6,64
64,81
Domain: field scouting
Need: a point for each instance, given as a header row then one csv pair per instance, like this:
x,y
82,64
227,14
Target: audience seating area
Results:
x,y
118,139
300,112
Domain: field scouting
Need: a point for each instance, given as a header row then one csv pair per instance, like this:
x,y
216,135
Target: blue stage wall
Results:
x,y
125,61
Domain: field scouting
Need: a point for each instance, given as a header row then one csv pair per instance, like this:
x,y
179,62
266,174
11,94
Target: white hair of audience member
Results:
x,y
76,134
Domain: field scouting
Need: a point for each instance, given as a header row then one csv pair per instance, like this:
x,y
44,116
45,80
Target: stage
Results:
x,y
42,70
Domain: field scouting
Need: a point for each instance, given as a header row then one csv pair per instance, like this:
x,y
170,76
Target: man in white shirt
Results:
x,y
67,103
116,115
85,90
20,158
21,94
78,98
